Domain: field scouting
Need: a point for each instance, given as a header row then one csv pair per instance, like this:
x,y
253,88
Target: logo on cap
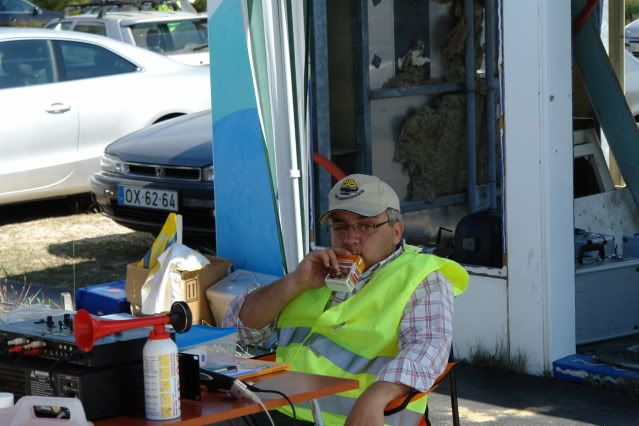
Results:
x,y
349,189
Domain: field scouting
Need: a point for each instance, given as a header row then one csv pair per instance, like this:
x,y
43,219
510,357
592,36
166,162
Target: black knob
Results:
x,y
181,317
50,322
67,320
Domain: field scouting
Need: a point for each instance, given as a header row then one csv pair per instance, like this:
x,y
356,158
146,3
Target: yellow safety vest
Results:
x,y
356,338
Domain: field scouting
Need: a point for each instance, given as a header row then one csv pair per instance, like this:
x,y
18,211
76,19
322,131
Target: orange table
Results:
x,y
217,406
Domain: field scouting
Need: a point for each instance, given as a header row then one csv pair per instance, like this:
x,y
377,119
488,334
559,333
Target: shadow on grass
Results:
x,y
89,261
95,260
28,211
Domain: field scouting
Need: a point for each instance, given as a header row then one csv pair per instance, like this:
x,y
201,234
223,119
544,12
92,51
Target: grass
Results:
x,y
70,251
51,247
41,259
500,358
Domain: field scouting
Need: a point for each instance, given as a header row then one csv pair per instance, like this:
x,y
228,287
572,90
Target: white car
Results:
x,y
631,83
179,35
66,95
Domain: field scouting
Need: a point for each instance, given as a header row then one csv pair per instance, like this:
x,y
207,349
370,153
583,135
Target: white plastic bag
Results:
x,y
36,311
164,285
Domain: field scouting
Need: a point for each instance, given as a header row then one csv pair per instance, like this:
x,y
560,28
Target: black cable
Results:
x,y
20,356
256,389
55,364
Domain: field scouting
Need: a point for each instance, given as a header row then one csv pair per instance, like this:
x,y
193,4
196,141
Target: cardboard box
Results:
x,y
350,268
195,284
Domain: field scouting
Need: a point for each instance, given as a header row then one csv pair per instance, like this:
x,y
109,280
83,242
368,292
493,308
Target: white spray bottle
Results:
x,y
161,376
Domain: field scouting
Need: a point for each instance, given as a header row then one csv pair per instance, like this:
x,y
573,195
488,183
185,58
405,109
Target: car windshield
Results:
x,y
16,6
174,37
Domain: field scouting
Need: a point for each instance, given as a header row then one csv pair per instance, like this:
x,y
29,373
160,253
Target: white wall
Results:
x,y
481,315
538,179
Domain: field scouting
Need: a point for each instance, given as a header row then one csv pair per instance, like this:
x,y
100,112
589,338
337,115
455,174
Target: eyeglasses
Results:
x,y
362,228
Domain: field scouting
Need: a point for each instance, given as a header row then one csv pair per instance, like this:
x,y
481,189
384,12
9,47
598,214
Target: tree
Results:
x,y
57,5
632,10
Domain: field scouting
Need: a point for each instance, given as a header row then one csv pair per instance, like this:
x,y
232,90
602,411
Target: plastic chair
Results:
x,y
399,404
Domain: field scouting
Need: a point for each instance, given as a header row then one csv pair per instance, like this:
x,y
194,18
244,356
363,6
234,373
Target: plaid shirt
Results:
x,y
425,334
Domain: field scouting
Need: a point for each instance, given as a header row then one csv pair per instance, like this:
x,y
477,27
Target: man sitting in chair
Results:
x,y
392,332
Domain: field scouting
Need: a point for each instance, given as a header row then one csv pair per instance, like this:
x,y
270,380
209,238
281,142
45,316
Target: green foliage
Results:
x,y
632,10
28,24
57,5
200,5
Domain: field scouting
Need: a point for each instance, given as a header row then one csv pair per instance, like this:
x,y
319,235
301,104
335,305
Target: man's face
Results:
x,y
373,246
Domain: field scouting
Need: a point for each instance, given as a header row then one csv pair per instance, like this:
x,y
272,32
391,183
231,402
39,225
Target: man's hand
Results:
x,y
369,407
263,305
312,270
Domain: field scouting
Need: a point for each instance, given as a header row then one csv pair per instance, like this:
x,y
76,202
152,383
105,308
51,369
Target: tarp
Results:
x,y
259,73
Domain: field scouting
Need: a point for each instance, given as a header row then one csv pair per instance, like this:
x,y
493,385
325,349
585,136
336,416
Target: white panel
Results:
x,y
557,187
613,213
381,39
387,118
481,316
522,58
538,152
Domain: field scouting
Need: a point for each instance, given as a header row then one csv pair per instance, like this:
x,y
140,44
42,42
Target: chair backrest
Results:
x,y
400,403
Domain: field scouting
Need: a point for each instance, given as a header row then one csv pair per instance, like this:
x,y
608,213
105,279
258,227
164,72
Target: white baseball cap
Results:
x,y
362,194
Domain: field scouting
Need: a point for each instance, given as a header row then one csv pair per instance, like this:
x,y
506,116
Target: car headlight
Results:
x,y
207,173
111,163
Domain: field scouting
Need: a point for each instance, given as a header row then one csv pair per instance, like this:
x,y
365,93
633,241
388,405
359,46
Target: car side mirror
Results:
x,y
36,11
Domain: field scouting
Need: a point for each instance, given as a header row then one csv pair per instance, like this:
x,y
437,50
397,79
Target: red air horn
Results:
x,y
88,329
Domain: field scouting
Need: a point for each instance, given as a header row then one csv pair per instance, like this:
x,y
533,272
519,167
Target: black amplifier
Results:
x,y
104,392
56,332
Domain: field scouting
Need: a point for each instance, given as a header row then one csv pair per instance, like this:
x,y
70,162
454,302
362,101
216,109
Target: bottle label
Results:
x,y
161,387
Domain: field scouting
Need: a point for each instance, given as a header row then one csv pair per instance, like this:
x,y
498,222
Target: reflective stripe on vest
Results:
x,y
292,335
331,405
342,340
338,355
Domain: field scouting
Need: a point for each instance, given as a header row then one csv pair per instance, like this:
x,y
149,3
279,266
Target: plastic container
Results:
x,y
22,414
6,400
221,293
203,341
103,299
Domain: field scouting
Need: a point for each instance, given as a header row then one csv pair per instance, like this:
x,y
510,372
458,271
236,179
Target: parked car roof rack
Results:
x,y
104,6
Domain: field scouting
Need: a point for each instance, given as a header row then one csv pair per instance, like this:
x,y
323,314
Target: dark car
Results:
x,y
158,170
15,12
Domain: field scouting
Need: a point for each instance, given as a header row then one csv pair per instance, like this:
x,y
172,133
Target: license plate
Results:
x,y
634,47
147,198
